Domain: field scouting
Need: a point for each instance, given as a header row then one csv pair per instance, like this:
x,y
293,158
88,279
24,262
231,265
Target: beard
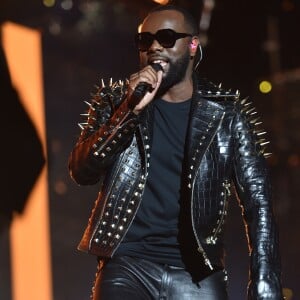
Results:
x,y
176,73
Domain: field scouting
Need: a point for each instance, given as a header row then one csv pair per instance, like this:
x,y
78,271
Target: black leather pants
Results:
x,y
128,278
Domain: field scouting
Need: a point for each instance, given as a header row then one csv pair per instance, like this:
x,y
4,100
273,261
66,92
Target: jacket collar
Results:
x,y
206,116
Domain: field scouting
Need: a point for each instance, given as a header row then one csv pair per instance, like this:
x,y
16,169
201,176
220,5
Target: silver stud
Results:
x,y
81,126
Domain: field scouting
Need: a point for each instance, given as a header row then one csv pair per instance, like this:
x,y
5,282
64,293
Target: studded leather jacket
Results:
x,y
224,147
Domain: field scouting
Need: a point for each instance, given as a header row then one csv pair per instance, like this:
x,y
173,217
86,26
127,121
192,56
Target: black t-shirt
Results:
x,y
153,234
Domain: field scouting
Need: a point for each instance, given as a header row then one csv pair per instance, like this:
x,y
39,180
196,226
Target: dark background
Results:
x,y
245,42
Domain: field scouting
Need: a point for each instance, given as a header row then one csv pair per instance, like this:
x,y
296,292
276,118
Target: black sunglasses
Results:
x,y
166,38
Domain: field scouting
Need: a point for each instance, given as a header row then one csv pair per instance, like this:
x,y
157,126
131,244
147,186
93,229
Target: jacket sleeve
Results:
x,y
254,191
107,131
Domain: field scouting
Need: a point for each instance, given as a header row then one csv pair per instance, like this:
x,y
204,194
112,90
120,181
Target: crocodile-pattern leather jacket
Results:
x,y
223,147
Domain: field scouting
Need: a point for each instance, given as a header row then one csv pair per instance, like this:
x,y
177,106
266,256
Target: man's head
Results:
x,y
169,36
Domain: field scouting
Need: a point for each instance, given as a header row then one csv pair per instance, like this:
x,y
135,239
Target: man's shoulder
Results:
x,y
215,92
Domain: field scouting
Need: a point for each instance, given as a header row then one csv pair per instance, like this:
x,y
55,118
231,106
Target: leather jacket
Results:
x,y
224,147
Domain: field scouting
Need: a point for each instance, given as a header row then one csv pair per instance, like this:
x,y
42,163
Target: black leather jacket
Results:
x,y
223,147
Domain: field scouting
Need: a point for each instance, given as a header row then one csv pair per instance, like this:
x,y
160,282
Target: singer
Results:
x,y
168,149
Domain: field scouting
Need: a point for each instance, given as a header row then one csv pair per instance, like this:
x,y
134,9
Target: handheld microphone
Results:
x,y
141,89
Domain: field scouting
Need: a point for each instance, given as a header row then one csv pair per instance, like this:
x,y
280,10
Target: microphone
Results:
x,y
141,89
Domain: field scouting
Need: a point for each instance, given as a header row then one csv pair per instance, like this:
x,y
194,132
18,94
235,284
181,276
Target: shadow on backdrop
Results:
x,y
21,161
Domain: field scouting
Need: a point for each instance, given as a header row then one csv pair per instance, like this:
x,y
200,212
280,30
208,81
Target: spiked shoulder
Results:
x,y
248,112
245,108
103,102
209,89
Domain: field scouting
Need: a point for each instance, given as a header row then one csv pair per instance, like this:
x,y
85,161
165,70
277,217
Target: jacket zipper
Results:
x,y
212,239
200,247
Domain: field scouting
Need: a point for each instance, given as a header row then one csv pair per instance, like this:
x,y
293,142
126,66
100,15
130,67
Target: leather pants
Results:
x,y
128,278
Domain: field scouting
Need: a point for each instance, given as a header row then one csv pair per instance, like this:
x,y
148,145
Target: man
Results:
x,y
166,147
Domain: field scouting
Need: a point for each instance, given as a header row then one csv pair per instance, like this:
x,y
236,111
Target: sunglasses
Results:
x,y
166,38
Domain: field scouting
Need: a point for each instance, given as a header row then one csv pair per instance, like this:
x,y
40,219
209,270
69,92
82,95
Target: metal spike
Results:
x,y
244,109
220,85
102,83
261,133
237,92
90,105
110,81
250,110
260,141
81,126
268,154
84,115
253,121
257,123
90,117
265,143
253,113
243,101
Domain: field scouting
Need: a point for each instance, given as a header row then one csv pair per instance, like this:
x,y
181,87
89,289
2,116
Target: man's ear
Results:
x,y
193,46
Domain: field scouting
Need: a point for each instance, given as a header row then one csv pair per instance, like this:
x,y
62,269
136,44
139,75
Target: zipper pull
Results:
x,y
206,260
227,185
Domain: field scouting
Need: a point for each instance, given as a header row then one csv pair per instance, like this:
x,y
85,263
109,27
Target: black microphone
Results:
x,y
141,89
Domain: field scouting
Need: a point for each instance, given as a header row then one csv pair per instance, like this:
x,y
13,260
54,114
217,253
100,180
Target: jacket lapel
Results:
x,y
205,118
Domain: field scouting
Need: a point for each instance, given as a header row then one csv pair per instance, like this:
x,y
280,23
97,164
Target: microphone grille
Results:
x,y
157,67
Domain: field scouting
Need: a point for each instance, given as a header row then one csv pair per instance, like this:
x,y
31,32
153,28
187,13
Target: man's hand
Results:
x,y
147,75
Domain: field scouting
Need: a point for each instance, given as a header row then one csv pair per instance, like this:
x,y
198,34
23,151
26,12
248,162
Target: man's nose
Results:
x,y
155,46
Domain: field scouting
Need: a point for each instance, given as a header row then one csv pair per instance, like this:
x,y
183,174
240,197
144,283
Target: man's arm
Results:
x,y
254,191
108,129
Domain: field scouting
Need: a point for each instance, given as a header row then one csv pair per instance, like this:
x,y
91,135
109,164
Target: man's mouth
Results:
x,y
161,62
